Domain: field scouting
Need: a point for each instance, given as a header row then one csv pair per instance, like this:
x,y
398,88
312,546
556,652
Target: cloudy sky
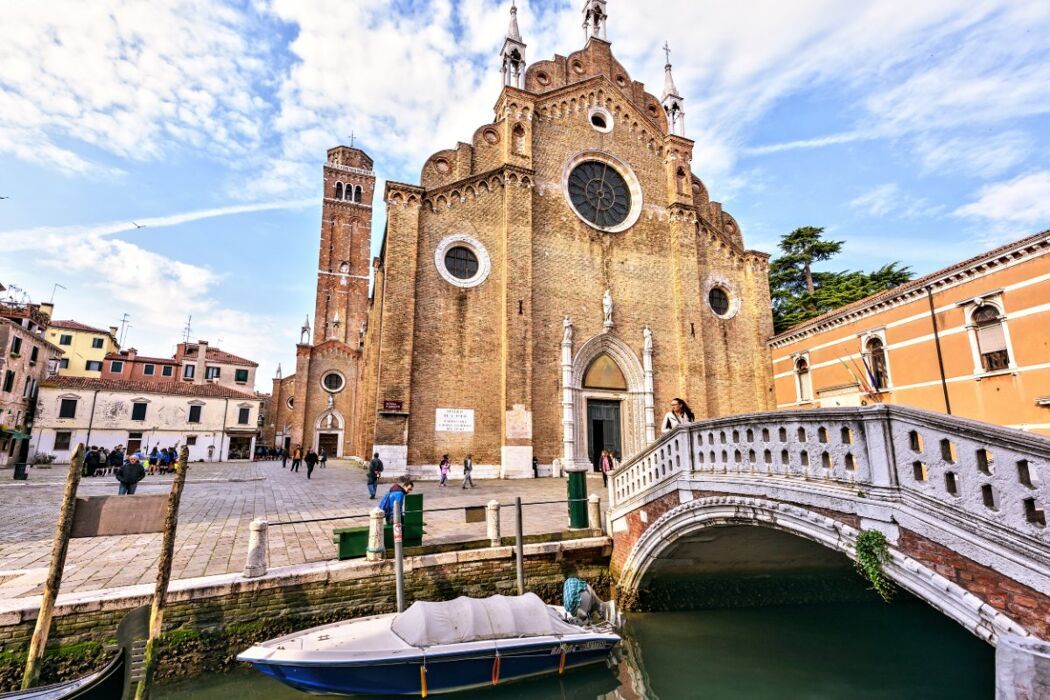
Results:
x,y
914,131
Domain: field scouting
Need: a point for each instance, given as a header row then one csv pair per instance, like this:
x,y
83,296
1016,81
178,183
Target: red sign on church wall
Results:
x,y
389,405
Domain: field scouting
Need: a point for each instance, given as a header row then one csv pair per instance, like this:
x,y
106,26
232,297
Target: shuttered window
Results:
x,y
991,340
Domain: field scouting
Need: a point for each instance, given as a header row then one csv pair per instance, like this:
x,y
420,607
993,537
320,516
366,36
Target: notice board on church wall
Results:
x,y
454,420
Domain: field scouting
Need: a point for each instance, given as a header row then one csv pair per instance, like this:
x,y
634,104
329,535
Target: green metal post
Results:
x,y
578,500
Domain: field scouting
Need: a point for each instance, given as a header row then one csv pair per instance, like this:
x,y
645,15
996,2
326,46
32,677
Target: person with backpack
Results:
x,y
91,461
129,475
375,470
396,495
311,462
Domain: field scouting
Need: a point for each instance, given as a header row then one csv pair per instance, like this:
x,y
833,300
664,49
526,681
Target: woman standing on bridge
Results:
x,y
680,414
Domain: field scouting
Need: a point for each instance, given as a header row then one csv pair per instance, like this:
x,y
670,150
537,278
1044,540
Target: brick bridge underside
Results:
x,y
977,596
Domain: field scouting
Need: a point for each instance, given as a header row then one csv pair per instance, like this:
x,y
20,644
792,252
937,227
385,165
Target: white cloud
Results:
x,y
889,201
128,78
820,142
984,156
1024,199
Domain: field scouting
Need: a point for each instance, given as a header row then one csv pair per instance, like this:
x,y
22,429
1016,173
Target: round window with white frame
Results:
x,y
603,191
290,403
723,301
333,382
462,261
601,119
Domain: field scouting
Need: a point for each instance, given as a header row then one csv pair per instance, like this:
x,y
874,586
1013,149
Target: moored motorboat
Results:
x,y
435,648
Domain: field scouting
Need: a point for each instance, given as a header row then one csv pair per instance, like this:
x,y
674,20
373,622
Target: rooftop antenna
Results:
x,y
351,139
187,330
124,326
53,289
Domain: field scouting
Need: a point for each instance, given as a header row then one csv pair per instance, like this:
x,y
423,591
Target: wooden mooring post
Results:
x,y
54,574
160,594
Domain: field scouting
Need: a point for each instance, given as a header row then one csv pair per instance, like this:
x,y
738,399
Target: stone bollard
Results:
x,y
594,511
492,522
257,549
1022,668
376,523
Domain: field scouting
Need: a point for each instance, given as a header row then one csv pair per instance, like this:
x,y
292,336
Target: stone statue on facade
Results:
x,y
647,333
607,308
567,337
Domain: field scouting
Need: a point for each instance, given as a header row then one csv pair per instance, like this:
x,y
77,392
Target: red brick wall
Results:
x,y
1026,606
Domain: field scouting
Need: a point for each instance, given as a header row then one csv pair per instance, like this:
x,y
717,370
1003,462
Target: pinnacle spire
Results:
x,y
512,31
512,54
670,89
673,102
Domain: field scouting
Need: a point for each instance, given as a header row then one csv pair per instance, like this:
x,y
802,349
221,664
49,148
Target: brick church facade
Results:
x,y
543,292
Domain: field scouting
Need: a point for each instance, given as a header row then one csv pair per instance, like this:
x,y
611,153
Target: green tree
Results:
x,y
799,293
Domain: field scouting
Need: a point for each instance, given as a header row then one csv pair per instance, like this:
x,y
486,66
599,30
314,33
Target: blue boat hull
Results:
x,y
443,674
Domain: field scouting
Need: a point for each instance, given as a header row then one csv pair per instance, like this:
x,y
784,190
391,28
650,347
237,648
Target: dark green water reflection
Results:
x,y
845,650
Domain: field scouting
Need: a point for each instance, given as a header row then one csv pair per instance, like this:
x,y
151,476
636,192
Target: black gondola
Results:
x,y
110,683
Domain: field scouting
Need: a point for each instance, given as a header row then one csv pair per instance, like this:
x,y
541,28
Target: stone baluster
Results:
x,y
492,523
376,525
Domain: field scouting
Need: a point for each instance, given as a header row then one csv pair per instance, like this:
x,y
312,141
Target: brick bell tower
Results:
x,y
346,240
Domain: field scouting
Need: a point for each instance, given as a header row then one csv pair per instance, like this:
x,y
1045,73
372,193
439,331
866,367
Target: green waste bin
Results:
x,y
21,472
411,524
351,542
578,500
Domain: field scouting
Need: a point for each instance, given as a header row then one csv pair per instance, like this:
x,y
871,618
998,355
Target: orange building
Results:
x,y
972,340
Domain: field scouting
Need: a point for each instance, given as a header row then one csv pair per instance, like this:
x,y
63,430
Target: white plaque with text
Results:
x,y
454,420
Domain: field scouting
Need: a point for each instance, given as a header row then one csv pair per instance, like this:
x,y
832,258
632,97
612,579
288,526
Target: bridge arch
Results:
x,y
911,575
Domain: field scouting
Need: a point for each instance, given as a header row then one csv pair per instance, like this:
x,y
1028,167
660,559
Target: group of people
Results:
x,y
128,468
312,457
445,466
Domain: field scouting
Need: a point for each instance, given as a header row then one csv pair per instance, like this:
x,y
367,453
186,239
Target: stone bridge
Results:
x,y
962,503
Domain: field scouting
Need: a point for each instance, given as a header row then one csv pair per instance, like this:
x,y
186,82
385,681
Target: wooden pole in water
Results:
x,y
519,545
54,574
160,594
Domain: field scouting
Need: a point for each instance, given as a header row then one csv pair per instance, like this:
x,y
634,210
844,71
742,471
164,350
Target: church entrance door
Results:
x,y
603,430
329,442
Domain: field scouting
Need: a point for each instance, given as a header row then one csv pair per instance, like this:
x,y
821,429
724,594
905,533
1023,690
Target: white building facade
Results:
x,y
216,423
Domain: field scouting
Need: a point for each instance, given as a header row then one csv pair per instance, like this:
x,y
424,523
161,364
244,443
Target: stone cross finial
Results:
x,y
304,332
667,52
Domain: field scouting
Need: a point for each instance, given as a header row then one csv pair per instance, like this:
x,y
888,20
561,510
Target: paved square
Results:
x,y
218,503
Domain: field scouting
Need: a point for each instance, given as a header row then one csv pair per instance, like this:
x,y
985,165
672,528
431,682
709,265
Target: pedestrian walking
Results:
x,y
606,465
468,467
680,414
395,495
129,475
311,462
297,458
323,454
284,458
375,470
443,468
91,461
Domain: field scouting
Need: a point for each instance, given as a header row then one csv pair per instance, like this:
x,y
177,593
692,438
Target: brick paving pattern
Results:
x,y
219,502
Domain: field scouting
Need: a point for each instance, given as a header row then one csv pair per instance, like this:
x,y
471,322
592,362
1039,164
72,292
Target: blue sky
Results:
x,y
917,132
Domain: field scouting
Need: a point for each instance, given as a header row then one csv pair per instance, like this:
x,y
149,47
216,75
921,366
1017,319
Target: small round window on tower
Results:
x,y
461,262
719,301
598,121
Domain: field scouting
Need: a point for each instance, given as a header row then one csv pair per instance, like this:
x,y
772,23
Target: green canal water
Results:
x,y
841,650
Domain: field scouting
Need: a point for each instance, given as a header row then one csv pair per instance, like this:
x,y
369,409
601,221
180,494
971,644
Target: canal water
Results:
x,y
833,650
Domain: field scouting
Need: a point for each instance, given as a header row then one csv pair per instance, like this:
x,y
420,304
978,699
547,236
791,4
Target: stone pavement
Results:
x,y
218,503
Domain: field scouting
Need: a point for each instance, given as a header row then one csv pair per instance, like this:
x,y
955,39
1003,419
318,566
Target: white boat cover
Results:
x,y
475,619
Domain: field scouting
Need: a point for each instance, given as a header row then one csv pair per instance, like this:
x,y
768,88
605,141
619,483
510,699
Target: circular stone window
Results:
x,y
601,119
290,403
462,261
724,303
603,192
333,382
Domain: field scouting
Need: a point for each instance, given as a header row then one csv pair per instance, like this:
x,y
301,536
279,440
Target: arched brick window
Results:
x,y
518,140
357,194
877,365
803,380
338,190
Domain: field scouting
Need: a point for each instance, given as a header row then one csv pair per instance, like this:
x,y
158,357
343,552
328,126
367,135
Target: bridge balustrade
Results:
x,y
965,469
